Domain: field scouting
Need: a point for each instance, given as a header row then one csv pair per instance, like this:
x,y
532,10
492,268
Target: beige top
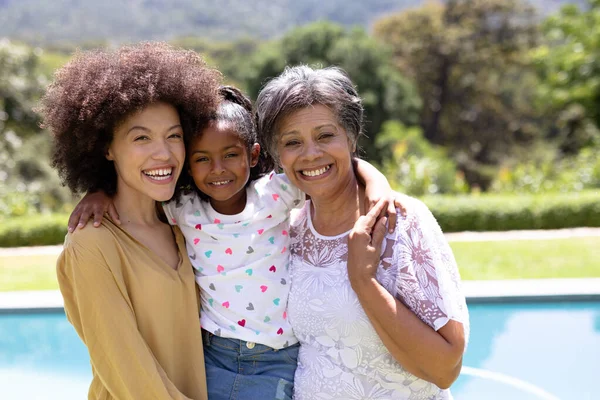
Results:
x,y
137,316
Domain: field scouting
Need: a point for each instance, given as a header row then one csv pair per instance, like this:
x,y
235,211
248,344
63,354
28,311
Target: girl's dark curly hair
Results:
x,y
96,90
236,109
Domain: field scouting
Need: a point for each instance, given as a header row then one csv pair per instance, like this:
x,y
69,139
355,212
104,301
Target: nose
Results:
x,y
216,167
312,150
162,150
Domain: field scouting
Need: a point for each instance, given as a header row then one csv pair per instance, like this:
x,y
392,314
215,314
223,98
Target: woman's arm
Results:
x,y
103,317
435,356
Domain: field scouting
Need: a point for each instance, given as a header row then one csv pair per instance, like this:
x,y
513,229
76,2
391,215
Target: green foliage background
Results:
x,y
461,96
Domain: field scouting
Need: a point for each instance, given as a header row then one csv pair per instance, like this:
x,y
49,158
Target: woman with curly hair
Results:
x,y
118,120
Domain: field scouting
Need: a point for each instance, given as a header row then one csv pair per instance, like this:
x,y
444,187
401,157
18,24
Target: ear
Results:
x,y
254,155
352,144
109,156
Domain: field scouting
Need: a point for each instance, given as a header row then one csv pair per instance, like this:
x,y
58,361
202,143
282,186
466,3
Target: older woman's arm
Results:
x,y
435,356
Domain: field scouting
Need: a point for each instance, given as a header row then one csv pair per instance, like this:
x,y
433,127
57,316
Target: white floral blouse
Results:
x,y
341,356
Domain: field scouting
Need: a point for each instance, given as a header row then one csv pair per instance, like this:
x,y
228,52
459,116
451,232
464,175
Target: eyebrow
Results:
x,y
143,128
316,128
234,146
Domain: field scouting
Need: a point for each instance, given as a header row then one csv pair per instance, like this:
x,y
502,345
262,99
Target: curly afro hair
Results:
x,y
98,89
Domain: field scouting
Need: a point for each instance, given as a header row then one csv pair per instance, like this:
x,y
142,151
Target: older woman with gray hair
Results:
x,y
378,314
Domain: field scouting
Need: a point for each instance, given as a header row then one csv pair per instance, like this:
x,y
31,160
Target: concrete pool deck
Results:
x,y
501,291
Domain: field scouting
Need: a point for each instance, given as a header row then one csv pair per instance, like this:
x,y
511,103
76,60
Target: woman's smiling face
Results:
x,y
315,151
148,151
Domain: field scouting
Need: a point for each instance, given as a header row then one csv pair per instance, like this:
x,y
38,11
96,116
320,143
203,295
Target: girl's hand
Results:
x,y
364,244
93,204
373,195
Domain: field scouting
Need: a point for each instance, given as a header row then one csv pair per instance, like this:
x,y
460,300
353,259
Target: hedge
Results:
x,y
485,212
490,212
35,230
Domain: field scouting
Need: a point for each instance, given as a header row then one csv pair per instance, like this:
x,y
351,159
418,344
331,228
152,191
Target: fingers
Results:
x,y
97,218
83,219
73,219
367,222
398,204
378,234
114,215
392,214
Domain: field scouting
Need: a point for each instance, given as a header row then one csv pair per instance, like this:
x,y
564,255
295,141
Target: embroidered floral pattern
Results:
x,y
341,355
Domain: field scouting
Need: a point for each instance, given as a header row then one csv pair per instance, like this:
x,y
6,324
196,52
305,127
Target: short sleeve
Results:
x,y
278,186
175,207
427,279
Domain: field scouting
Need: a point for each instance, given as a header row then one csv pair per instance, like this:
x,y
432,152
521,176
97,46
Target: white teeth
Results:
x,y
220,183
159,174
316,172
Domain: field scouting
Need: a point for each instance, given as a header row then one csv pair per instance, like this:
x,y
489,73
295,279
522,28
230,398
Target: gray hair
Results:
x,y
302,86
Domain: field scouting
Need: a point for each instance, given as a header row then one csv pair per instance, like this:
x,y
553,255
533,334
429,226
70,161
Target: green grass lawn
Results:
x,y
523,259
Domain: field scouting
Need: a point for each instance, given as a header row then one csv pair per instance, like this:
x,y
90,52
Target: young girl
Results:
x,y
235,218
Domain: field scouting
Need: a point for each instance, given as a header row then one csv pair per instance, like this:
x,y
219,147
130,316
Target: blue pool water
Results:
x,y
517,351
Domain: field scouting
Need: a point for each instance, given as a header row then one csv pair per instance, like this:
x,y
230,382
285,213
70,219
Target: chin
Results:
x,y
163,195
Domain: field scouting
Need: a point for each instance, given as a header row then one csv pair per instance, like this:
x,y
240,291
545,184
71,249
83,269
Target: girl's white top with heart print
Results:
x,y
241,261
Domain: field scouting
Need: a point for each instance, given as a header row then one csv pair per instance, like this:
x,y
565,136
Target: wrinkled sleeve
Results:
x,y
427,279
170,208
279,185
99,309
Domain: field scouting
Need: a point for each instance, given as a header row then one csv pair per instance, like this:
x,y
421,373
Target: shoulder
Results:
x,y
178,204
416,210
93,243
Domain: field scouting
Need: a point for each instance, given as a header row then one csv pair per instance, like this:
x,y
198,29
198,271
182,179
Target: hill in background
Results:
x,y
76,21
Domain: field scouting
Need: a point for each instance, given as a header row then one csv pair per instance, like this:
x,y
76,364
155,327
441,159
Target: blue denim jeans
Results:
x,y
240,370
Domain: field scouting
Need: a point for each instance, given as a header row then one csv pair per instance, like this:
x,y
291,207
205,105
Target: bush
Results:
x,y
492,212
415,166
37,230
485,212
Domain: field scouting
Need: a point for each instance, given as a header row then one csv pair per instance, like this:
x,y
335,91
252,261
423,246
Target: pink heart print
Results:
x,y
242,322
225,304
196,241
263,288
220,268
275,196
260,231
199,227
280,331
273,268
228,251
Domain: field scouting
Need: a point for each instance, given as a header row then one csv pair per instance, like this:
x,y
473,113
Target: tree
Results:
x,y
27,183
569,66
470,61
385,92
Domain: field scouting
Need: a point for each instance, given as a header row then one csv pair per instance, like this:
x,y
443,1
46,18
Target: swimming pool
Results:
x,y
517,351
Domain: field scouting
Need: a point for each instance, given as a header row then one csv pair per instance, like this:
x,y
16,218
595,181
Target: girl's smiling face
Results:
x,y
219,164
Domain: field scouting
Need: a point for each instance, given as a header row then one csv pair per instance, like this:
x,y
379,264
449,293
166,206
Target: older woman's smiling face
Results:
x,y
315,151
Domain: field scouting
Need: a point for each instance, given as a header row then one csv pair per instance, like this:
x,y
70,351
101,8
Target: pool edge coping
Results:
x,y
496,291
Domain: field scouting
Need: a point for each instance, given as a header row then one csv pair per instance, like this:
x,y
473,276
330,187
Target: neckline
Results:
x,y
178,242
314,231
247,212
